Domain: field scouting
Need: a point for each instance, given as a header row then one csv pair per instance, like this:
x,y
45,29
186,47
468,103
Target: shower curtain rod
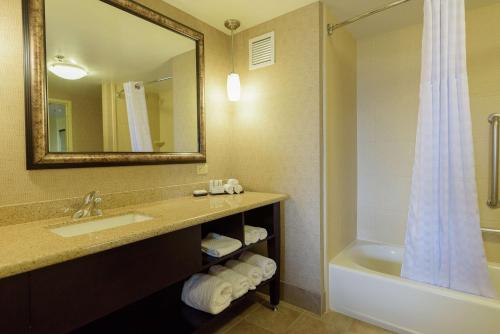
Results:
x,y
332,27
147,83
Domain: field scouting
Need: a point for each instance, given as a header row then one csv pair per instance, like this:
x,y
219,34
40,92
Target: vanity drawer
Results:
x,y
71,294
14,304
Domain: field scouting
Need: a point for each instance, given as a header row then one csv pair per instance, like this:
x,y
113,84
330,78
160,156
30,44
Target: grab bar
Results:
x,y
489,230
494,120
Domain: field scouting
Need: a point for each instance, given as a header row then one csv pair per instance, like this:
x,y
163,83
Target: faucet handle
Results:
x,y
97,204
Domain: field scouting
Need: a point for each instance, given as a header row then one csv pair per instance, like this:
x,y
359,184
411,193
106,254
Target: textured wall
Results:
x,y
388,88
20,186
86,111
340,138
276,135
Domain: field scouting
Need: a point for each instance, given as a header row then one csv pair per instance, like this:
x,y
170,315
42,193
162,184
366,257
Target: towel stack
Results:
x,y
254,234
207,293
266,265
214,292
217,245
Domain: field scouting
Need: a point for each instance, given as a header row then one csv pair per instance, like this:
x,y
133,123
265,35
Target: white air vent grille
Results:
x,y
261,51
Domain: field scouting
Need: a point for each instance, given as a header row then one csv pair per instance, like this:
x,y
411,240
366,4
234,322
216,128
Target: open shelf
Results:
x,y
158,314
208,261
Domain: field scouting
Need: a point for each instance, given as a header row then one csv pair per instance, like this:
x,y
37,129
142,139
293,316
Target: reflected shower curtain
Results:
x,y
443,243
138,120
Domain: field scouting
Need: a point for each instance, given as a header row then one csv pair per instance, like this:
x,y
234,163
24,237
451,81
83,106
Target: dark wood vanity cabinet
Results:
x,y
14,304
131,286
71,294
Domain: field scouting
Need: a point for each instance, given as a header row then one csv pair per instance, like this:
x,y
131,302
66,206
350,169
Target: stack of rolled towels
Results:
x,y
233,186
254,234
213,292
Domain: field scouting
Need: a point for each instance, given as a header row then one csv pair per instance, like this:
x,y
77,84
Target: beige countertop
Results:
x,y
28,246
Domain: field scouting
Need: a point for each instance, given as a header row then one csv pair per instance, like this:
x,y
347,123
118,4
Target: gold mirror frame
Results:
x,y
37,146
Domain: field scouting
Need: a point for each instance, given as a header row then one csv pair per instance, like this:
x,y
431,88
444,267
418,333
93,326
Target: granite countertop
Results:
x,y
28,246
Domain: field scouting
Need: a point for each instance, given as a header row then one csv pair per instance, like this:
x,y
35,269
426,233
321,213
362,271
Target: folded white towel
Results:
x,y
217,245
267,265
251,235
207,293
240,283
259,230
253,273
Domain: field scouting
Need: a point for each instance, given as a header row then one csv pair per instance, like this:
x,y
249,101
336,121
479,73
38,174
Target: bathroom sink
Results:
x,y
99,224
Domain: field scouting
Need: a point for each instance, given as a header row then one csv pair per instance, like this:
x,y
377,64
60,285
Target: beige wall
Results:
x,y
388,88
185,114
340,139
21,186
276,136
86,105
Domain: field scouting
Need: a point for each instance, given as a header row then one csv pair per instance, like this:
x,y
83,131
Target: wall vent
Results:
x,y
261,51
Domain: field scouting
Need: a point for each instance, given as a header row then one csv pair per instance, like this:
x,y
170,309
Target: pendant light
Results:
x,y
67,70
233,79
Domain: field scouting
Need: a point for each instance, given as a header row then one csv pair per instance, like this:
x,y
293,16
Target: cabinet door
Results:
x,y
14,304
71,294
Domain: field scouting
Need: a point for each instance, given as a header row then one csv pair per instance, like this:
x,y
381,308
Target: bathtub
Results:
x,y
364,283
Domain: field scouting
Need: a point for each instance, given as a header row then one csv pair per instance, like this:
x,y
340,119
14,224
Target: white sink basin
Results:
x,y
99,224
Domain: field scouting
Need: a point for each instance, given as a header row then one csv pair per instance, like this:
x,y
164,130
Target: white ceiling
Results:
x,y
109,42
249,12
394,18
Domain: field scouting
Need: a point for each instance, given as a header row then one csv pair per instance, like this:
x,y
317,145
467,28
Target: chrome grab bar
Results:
x,y
494,120
489,230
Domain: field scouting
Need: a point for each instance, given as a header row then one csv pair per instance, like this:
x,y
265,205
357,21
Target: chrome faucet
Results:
x,y
91,206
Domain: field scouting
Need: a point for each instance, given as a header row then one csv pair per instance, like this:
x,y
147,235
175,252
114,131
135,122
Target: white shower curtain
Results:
x,y
443,239
138,120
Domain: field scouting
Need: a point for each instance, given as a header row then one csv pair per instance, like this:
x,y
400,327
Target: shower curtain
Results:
x,y
443,243
138,120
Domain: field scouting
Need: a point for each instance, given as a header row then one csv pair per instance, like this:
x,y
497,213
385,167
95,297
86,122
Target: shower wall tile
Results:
x,y
388,90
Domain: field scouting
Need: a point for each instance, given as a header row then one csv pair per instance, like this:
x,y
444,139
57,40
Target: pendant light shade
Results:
x,y
233,79
233,87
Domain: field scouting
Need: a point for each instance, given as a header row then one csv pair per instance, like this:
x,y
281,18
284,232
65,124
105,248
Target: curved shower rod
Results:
x,y
332,27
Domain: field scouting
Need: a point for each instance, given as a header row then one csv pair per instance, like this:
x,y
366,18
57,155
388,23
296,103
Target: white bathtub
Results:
x,y
365,284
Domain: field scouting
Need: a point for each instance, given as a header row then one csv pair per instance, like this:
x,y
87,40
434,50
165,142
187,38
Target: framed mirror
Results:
x,y
111,82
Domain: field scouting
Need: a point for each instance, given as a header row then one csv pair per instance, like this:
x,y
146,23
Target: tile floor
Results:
x,y
258,319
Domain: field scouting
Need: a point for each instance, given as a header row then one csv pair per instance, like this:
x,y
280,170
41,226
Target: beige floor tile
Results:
x,y
360,327
339,321
245,327
227,326
307,324
225,329
276,321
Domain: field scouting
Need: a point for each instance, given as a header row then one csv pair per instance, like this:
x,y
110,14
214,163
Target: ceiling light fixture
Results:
x,y
233,79
67,70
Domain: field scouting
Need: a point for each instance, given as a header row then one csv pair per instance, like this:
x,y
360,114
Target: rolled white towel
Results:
x,y
217,245
267,265
251,235
253,273
240,283
229,188
238,188
233,182
207,293
262,232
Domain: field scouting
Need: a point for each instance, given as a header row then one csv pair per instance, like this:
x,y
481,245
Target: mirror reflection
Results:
x,y
117,83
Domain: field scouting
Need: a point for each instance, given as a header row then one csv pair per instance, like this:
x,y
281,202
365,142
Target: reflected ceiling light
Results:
x,y
67,70
233,79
